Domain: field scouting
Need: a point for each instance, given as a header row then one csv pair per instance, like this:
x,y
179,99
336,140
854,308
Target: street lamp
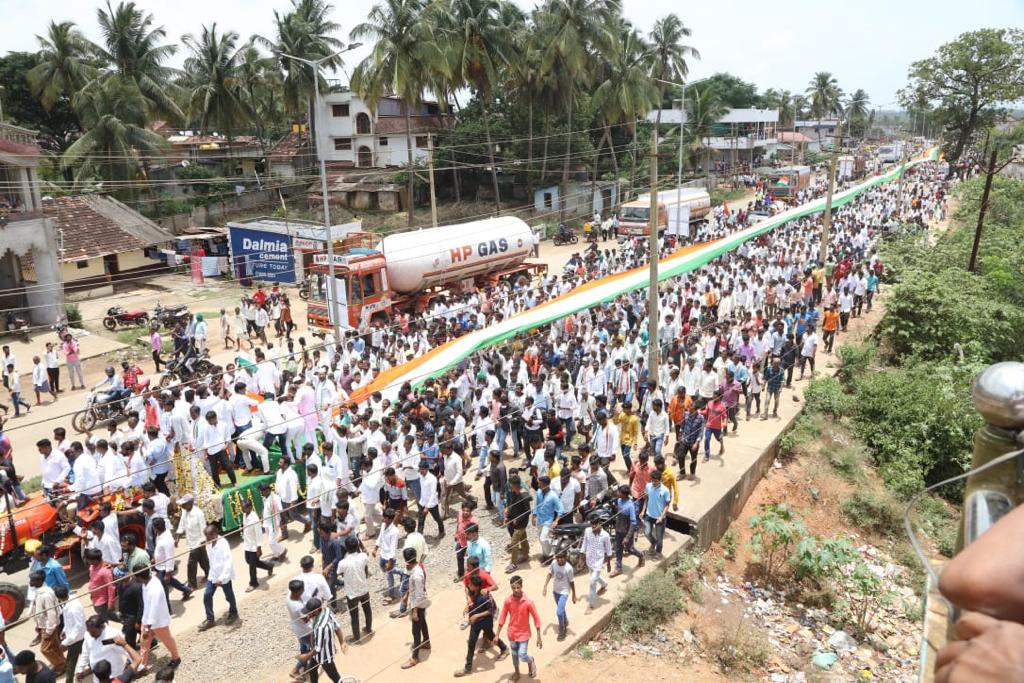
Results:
x,y
652,245
332,292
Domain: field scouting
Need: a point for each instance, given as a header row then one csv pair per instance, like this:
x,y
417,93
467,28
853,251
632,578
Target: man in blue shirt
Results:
x,y
655,508
626,525
546,512
479,548
53,571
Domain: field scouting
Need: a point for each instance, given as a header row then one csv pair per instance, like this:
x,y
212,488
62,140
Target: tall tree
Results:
x,y
857,110
213,90
132,50
58,127
478,49
670,54
968,81
304,32
402,47
624,90
524,79
574,30
63,66
824,95
114,113
704,108
259,81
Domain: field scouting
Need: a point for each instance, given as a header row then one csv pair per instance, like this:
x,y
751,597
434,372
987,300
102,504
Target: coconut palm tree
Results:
x,y
704,108
259,81
825,95
479,47
213,91
402,48
132,50
524,80
63,67
857,109
624,90
304,32
670,54
114,114
574,30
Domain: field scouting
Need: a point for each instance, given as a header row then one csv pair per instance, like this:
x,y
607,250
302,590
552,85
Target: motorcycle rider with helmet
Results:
x,y
116,392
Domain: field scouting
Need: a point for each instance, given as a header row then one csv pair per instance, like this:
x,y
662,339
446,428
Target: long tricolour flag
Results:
x,y
438,360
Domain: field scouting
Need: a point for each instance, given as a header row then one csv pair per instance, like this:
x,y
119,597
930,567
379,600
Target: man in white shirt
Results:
x,y
73,615
222,572
656,427
252,537
54,466
87,480
286,485
271,522
101,643
156,617
453,478
428,500
193,526
316,585
370,485
215,437
163,560
274,422
355,572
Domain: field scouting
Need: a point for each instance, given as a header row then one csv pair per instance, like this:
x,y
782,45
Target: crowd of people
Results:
x,y
537,433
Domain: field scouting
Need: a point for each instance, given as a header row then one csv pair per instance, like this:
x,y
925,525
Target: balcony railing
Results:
x,y
23,136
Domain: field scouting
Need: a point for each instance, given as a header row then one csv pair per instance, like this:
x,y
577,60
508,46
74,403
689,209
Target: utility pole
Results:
x,y
430,170
981,212
826,218
652,248
332,285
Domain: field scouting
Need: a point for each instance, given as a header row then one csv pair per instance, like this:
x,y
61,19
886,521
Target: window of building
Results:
x,y
342,144
81,265
362,123
421,141
339,110
383,142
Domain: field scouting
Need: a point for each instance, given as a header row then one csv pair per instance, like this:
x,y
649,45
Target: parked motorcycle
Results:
x,y
171,316
569,537
118,316
304,290
185,368
18,325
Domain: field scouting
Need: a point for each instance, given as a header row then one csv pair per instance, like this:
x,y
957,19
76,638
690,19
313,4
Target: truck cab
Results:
x,y
635,218
363,293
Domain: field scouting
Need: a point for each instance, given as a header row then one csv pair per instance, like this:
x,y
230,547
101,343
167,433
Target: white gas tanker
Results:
x,y
406,271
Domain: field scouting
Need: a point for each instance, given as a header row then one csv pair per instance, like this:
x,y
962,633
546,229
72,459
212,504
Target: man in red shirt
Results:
x,y
517,611
473,569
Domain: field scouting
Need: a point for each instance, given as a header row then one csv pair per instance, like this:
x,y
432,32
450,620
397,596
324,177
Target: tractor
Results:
x,y
53,524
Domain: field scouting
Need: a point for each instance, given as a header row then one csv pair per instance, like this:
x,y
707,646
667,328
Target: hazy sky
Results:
x,y
867,44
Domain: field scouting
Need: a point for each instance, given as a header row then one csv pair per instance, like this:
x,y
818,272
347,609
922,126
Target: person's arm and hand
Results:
x,y
572,588
547,580
987,650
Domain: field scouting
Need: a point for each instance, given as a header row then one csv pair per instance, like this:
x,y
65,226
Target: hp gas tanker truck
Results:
x,y
376,277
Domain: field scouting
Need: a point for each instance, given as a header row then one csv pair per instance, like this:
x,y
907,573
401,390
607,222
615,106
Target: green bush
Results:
x,y
729,544
873,511
776,529
806,429
848,461
854,361
818,559
824,395
73,315
638,614
918,422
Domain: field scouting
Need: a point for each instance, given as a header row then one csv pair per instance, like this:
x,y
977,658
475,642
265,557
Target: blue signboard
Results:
x,y
263,256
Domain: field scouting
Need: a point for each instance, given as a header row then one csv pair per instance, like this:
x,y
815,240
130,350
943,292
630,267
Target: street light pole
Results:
x,y
332,291
652,248
826,218
682,122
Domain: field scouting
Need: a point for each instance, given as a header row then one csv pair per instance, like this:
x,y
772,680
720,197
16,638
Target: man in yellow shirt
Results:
x,y
668,479
629,431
